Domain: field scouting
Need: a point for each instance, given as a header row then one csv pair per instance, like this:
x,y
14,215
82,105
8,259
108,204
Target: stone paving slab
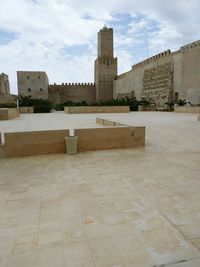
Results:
x,y
124,208
48,121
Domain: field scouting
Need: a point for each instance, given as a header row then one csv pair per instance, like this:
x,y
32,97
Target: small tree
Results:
x,y
25,101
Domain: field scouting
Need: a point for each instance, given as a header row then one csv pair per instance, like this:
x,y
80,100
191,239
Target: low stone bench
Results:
x,y
18,144
24,110
183,109
97,109
8,113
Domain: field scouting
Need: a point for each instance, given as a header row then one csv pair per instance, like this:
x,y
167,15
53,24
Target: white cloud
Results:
x,y
45,28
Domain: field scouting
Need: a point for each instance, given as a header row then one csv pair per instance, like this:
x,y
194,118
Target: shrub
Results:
x,y
61,106
145,102
170,105
182,102
25,101
131,102
41,106
8,105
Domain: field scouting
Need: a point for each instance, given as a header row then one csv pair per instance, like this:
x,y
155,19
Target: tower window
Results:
x,y
29,89
40,89
38,77
28,77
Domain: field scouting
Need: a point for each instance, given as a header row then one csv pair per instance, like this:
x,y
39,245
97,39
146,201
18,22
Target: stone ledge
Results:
x,y
24,110
8,113
18,144
97,109
183,109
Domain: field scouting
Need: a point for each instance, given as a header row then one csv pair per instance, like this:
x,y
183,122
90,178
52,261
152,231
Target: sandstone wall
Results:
x,y
134,81
33,143
24,110
157,84
137,134
184,79
129,82
7,98
33,83
72,92
191,72
4,84
49,142
105,66
183,109
97,109
8,113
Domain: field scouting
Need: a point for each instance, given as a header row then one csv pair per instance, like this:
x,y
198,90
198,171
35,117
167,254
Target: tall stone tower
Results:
x,y
33,83
4,84
105,65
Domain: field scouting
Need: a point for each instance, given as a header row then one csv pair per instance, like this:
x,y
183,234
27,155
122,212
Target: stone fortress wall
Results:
x,y
164,77
35,83
158,84
75,92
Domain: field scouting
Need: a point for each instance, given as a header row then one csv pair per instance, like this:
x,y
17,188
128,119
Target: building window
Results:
x,y
38,77
40,89
29,89
28,77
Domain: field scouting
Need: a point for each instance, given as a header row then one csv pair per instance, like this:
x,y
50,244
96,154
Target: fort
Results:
x,y
130,196
162,78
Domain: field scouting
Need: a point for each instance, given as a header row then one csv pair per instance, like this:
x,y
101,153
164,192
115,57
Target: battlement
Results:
x,y
152,59
190,46
76,92
75,85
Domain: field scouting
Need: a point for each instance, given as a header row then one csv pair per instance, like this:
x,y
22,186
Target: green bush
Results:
x,y
41,106
182,102
25,101
133,103
145,102
61,106
8,105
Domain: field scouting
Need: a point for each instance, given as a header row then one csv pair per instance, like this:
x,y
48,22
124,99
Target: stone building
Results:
x,y
105,65
4,84
34,83
5,96
161,78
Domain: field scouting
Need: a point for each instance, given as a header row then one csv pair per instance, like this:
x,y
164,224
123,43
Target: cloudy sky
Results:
x,y
59,36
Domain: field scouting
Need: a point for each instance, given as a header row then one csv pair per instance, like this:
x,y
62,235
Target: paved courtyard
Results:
x,y
117,208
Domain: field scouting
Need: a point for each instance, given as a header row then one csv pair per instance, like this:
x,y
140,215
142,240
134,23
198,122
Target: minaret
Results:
x,y
105,65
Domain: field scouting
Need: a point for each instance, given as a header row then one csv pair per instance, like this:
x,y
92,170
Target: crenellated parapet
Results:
x,y
72,85
75,92
153,59
190,46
